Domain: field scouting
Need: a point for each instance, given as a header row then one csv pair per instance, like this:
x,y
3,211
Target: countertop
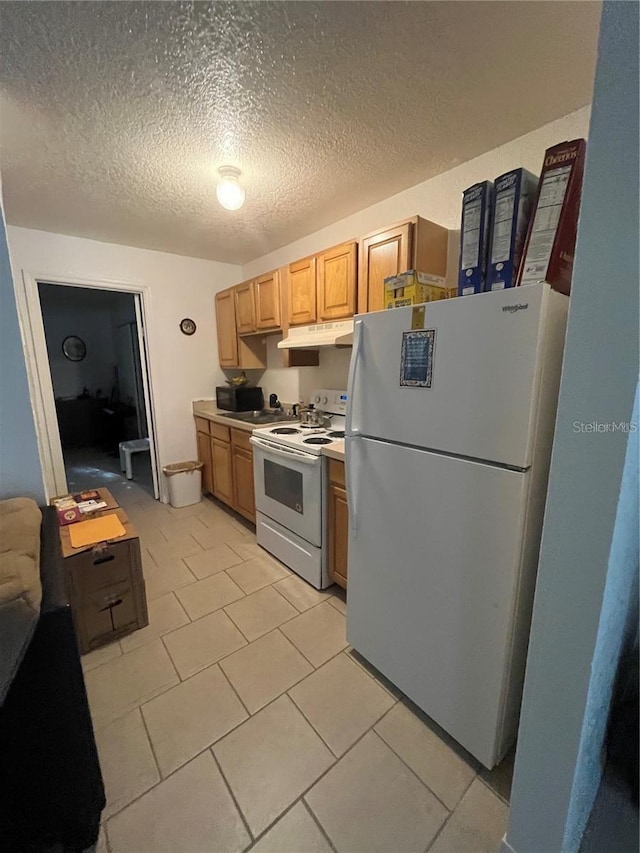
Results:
x,y
335,450
208,409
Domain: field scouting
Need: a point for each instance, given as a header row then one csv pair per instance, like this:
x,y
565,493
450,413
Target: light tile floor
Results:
x,y
240,719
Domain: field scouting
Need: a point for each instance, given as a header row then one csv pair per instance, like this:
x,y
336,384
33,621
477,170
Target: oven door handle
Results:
x,y
285,452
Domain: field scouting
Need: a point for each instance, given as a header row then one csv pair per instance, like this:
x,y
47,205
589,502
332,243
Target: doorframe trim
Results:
x,y
39,373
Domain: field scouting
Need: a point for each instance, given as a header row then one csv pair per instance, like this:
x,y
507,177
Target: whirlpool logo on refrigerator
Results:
x,y
517,306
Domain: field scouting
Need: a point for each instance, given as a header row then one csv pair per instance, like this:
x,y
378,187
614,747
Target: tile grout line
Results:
x,y
153,751
209,666
208,748
215,609
235,692
316,820
106,836
232,795
173,664
274,698
264,832
295,616
413,772
448,818
384,687
238,628
506,802
337,757
181,606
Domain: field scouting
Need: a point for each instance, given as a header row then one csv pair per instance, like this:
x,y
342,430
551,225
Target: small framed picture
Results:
x,y
416,359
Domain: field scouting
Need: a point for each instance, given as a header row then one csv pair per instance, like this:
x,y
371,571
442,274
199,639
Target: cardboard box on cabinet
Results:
x,y
413,288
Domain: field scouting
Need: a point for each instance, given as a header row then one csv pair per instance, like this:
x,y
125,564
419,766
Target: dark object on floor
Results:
x,y
613,824
51,789
624,722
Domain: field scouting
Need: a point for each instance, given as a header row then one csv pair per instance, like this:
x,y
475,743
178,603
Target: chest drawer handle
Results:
x,y
105,559
111,605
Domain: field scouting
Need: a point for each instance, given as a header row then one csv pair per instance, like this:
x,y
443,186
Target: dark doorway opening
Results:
x,y
96,372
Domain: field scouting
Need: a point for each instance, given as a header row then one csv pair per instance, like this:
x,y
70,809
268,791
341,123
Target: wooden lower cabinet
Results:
x,y
222,470
244,495
338,524
204,456
227,456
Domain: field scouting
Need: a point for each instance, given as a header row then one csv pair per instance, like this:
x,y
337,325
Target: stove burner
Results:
x,y
336,433
285,431
317,441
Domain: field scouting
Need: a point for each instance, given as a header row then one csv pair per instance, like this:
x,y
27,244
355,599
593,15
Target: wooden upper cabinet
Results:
x,y
337,282
301,291
245,308
226,326
267,301
416,244
381,255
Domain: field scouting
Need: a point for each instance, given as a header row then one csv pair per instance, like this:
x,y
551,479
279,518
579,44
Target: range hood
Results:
x,y
339,334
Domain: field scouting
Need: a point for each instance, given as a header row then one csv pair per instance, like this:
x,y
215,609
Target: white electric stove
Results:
x,y
290,476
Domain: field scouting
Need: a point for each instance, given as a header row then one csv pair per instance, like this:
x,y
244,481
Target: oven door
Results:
x,y
288,485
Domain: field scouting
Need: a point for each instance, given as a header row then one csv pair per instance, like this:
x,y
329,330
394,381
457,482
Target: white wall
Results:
x,y
590,535
20,472
293,384
182,368
438,199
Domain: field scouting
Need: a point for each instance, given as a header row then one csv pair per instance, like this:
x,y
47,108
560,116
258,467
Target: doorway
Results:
x,y
95,348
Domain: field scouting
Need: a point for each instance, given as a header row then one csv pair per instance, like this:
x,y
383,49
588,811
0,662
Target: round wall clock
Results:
x,y
187,326
74,348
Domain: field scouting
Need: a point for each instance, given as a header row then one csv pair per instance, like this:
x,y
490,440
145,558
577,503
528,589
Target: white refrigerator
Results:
x,y
449,433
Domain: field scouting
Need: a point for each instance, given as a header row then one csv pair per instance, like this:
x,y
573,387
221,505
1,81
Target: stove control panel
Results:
x,y
330,400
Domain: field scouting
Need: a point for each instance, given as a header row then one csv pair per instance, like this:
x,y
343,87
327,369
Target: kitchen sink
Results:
x,y
262,417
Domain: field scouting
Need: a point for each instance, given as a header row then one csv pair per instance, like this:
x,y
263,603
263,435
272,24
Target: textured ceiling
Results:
x,y
115,116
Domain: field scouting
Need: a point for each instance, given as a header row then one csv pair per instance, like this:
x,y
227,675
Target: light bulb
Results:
x,y
230,193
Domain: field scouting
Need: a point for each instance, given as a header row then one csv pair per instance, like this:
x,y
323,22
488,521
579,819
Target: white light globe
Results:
x,y
230,193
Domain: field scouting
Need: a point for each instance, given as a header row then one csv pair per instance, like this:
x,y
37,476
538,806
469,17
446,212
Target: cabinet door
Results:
x,y
245,308
381,255
337,282
301,285
338,529
244,502
204,456
226,326
222,470
267,293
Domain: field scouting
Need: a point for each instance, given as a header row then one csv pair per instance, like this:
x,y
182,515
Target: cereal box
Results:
x,y
474,238
551,238
514,195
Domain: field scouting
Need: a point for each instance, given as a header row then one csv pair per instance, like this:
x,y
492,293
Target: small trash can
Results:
x,y
185,482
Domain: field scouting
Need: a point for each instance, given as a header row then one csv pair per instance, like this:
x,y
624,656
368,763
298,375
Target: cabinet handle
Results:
x,y
106,559
111,605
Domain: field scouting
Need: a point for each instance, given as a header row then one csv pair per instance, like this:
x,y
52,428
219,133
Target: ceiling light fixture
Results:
x,y
230,193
